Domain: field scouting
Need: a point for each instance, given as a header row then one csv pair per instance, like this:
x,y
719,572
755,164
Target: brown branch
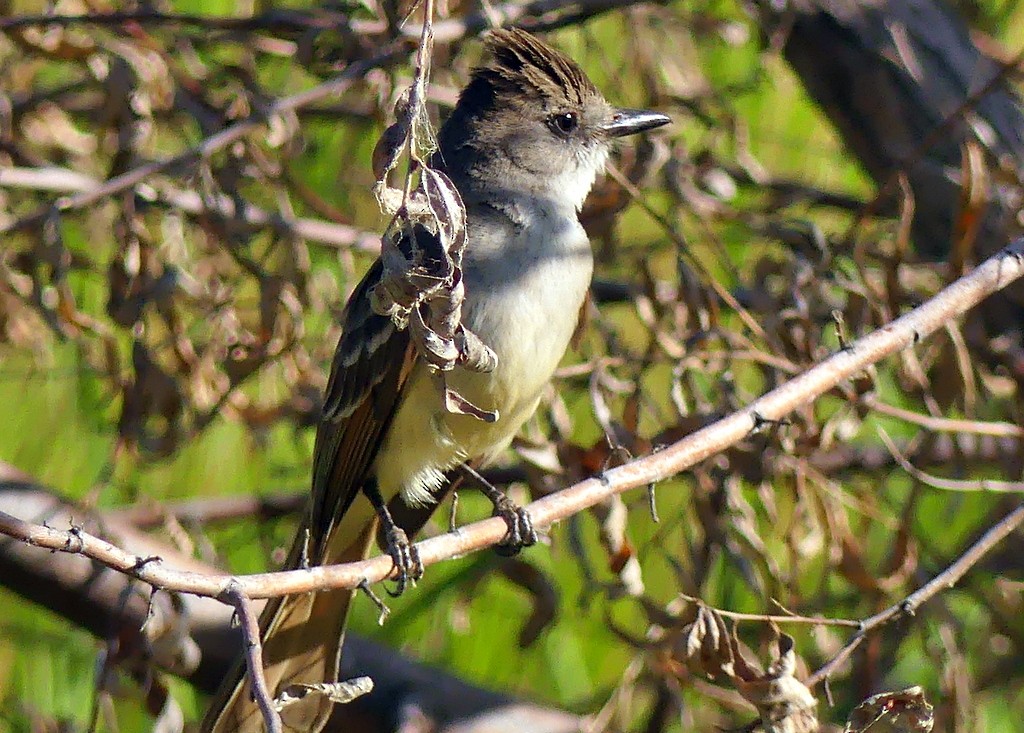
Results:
x,y
189,202
788,618
213,143
539,15
543,15
277,20
993,274
909,605
989,485
253,651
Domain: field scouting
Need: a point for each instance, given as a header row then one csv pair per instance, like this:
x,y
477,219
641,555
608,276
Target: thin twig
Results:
x,y
250,625
213,143
945,424
909,605
991,485
764,617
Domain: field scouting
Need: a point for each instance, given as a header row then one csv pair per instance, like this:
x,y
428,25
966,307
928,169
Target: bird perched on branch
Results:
x,y
522,148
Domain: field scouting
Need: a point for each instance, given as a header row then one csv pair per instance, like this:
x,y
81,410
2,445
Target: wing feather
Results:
x,y
302,634
371,365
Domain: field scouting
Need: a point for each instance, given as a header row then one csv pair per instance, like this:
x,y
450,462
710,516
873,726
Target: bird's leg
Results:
x,y
403,553
520,526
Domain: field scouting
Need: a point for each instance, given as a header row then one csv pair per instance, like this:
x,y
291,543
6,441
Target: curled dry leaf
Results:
x,y
622,559
903,711
388,150
55,43
784,704
421,287
169,717
171,645
459,405
709,648
413,267
448,212
292,702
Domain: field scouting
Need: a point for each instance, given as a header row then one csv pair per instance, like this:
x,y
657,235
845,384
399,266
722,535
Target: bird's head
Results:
x,y
530,119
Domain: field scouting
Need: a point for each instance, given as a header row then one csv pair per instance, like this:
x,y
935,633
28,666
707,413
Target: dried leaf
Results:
x,y
903,711
294,702
459,405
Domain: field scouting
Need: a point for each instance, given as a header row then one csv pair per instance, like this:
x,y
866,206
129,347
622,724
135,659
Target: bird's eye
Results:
x,y
564,123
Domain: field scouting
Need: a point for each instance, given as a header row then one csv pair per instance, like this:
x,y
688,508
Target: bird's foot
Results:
x,y
405,556
520,526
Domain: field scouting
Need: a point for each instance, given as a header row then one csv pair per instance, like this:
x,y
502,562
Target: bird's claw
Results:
x,y
520,527
405,556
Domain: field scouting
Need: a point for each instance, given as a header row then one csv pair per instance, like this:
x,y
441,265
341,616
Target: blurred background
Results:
x,y
164,340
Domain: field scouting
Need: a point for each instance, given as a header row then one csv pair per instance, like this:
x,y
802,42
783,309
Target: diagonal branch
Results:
x,y
909,605
250,625
992,275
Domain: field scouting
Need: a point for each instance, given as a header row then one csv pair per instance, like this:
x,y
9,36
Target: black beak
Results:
x,y
630,121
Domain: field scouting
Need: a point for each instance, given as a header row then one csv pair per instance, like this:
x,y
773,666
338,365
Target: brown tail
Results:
x,y
302,638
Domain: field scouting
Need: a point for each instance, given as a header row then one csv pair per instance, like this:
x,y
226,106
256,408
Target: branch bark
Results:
x,y
170,631
957,298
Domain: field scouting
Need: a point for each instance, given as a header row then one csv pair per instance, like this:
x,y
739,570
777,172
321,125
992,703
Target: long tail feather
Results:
x,y
302,637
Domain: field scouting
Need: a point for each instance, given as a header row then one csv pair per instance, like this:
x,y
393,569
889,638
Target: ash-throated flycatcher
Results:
x,y
523,146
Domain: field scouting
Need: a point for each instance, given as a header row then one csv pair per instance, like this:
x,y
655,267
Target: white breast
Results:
x,y
524,290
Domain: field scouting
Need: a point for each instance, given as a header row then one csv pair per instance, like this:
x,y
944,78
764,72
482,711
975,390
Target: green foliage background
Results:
x,y
60,424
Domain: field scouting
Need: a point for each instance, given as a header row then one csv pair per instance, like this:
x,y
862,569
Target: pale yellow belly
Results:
x,y
425,440
528,325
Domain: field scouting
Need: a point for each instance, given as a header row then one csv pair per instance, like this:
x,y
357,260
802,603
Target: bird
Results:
x,y
523,146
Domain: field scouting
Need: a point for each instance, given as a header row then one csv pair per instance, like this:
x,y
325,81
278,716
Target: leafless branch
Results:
x,y
249,622
909,605
789,618
990,276
947,425
992,485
